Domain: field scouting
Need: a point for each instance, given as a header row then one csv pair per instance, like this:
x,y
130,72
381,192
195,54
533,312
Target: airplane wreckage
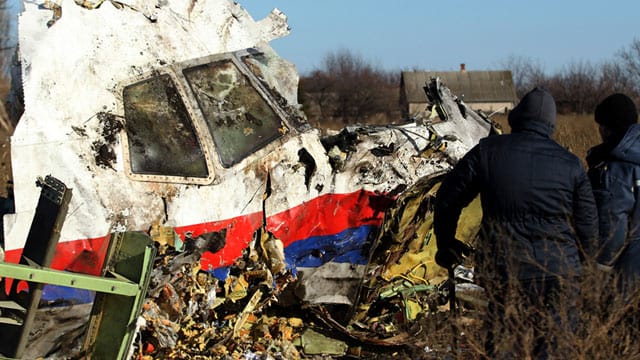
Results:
x,y
176,120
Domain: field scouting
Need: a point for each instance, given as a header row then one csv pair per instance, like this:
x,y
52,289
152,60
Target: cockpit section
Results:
x,y
176,117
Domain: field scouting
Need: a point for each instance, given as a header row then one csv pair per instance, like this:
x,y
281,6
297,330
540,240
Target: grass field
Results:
x,y
577,133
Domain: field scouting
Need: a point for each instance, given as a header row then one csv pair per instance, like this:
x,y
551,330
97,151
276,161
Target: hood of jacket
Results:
x,y
628,149
536,112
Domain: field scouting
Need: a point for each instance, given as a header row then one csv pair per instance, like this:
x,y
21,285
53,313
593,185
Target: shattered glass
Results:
x,y
239,118
270,70
159,129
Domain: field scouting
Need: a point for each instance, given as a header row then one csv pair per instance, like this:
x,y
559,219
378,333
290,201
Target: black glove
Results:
x,y
453,254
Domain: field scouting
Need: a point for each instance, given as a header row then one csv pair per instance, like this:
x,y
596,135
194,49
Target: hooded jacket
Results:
x,y
539,212
614,171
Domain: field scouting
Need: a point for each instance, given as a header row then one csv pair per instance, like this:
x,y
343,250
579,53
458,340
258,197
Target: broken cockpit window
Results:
x,y
239,118
158,126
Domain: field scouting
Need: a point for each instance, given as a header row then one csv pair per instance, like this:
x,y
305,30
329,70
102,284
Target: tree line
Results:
x,y
348,89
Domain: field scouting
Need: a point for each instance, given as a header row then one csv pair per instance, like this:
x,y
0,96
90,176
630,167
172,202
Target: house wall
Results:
x,y
418,110
489,107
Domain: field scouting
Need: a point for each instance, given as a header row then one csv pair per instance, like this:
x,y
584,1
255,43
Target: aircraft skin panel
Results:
x,y
179,113
105,200
344,247
346,221
328,214
323,216
73,70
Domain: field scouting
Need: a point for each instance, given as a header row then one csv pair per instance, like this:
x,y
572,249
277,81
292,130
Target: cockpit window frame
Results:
x,y
198,132
275,132
207,145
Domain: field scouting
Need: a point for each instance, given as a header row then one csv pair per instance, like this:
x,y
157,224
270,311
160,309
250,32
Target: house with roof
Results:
x,y
488,91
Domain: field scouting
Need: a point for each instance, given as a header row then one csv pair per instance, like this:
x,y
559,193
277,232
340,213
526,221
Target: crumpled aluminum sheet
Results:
x,y
254,313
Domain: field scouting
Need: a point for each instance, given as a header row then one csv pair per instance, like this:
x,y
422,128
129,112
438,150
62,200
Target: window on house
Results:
x,y
161,137
239,118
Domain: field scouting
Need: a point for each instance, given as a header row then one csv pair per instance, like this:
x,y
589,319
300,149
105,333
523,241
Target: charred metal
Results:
x,y
270,238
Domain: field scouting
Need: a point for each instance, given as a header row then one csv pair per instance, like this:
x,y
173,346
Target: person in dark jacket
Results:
x,y
614,171
539,215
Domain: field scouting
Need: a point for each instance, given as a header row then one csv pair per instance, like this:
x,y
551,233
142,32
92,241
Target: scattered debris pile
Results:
x,y
143,60
191,312
253,312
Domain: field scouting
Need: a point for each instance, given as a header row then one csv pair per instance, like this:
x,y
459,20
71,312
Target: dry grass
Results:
x,y
577,133
593,321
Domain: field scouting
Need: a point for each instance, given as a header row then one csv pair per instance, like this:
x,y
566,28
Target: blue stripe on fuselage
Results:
x,y
348,246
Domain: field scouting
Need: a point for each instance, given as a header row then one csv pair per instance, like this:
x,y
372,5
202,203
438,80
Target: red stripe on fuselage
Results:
x,y
240,232
327,215
324,215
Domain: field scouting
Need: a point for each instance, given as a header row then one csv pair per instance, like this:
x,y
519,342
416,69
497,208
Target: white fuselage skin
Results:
x,y
76,69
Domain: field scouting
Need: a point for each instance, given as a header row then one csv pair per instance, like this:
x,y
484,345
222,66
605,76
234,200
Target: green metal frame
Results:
x,y
38,251
131,256
120,290
119,302
63,278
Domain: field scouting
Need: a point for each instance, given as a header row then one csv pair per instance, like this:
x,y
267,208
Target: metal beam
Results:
x,y
65,278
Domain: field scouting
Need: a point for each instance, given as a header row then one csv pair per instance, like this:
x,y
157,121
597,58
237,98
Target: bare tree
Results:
x,y
349,89
352,84
615,78
580,85
630,63
577,87
8,45
316,94
527,73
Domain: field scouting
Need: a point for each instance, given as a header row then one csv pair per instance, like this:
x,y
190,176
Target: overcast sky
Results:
x,y
439,35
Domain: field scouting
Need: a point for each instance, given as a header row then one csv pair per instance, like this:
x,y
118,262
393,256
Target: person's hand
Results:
x,y
452,255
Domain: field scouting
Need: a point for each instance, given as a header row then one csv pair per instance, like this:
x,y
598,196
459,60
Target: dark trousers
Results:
x,y
524,316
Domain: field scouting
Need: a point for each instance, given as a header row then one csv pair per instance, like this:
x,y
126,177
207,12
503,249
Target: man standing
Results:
x,y
614,171
539,219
